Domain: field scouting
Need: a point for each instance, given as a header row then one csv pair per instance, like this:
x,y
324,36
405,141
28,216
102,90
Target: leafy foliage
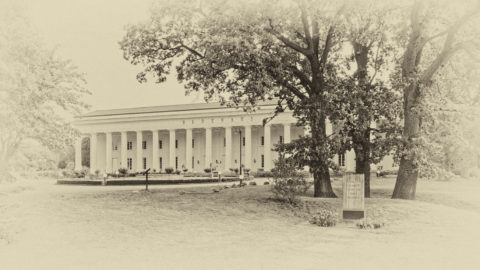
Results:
x,y
39,92
288,183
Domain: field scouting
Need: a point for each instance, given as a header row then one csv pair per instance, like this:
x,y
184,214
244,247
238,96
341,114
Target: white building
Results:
x,y
192,136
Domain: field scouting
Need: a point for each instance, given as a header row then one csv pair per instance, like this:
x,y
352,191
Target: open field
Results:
x,y
46,226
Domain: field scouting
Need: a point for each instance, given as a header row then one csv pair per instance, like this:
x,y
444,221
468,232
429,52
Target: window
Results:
x,y
193,143
115,147
262,141
129,163
281,139
193,162
144,144
224,141
161,163
144,163
129,145
243,141
341,160
176,143
160,144
263,160
176,163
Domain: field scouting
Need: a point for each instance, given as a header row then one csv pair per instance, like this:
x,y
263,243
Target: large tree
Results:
x,y
437,33
367,108
248,51
38,91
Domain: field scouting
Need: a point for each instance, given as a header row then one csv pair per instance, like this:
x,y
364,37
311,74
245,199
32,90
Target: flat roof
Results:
x,y
163,108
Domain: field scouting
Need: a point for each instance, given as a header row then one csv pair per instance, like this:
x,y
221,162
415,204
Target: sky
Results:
x,y
88,32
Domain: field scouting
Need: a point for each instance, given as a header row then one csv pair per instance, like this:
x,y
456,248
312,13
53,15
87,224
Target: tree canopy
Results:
x,y
39,92
356,63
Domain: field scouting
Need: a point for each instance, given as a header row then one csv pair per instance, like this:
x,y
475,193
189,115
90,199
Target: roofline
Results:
x,y
156,111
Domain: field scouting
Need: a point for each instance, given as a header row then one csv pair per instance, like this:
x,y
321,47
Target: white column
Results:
x,y
228,148
78,154
267,148
123,150
171,147
188,149
155,158
328,127
248,147
139,151
208,147
93,152
108,155
306,132
286,133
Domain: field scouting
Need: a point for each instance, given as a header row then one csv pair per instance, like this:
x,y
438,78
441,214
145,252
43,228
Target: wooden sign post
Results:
x,y
353,196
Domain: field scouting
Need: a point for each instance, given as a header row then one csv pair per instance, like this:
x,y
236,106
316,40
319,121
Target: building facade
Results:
x,y
192,137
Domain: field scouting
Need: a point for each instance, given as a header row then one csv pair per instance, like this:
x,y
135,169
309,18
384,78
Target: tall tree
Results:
x,y
367,109
426,52
245,52
38,91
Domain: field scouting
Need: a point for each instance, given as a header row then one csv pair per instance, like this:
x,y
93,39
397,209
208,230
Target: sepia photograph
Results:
x,y
239,134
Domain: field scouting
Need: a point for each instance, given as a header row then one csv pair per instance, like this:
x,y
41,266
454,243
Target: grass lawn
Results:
x,y
46,226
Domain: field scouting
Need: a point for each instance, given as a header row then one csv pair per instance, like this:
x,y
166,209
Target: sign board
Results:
x,y
353,196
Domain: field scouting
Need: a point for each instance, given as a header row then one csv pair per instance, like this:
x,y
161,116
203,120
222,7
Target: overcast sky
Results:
x,y
88,32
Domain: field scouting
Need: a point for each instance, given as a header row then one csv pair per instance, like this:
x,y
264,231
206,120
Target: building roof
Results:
x,y
164,108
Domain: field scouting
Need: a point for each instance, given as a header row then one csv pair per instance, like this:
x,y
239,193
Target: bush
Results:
x,y
370,225
207,170
288,182
62,164
235,170
196,174
325,218
177,172
185,170
123,171
169,170
261,173
246,170
253,183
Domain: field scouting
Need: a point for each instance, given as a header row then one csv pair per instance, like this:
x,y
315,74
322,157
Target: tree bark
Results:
x,y
321,175
405,186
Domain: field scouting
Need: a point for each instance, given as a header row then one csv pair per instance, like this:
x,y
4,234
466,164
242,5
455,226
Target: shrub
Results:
x,y
266,183
370,225
97,172
207,170
253,183
235,170
325,218
185,170
177,172
196,174
287,182
123,171
261,173
169,170
62,164
132,174
246,170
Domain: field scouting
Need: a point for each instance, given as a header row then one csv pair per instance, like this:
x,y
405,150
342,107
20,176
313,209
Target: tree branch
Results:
x,y
291,44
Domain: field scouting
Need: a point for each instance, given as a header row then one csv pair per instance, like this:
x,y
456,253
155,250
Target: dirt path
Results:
x,y
66,227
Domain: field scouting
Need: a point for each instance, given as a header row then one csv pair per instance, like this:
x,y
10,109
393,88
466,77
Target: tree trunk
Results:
x,y
366,171
405,186
359,161
322,184
362,163
319,163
